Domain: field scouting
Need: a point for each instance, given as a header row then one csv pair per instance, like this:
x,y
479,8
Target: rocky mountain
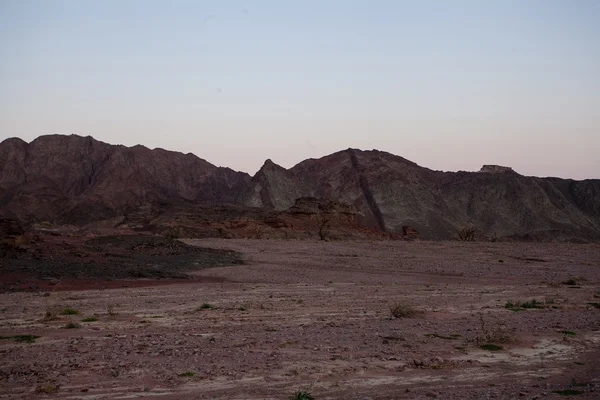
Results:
x,y
74,179
77,180
391,192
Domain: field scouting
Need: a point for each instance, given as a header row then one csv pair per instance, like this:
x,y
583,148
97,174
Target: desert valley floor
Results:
x,y
316,316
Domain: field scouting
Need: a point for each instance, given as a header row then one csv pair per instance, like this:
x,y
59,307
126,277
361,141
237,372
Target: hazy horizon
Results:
x,y
450,86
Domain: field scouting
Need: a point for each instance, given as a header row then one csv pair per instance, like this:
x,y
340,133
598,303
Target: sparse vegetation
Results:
x,y
89,319
324,225
21,338
491,347
69,311
51,314
206,306
72,325
596,305
466,233
568,333
450,337
47,388
187,374
568,392
495,334
404,310
302,395
516,306
110,309
570,282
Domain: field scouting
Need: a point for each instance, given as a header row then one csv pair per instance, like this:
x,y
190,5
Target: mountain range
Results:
x,y
79,180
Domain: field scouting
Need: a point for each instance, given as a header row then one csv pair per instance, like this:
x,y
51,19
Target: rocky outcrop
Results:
x,y
495,169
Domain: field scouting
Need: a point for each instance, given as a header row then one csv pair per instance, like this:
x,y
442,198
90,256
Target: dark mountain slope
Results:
x,y
79,179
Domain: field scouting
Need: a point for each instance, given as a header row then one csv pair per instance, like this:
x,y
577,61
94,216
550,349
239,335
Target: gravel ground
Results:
x,y
305,315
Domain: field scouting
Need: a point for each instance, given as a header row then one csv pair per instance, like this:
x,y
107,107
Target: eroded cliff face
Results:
x,y
77,180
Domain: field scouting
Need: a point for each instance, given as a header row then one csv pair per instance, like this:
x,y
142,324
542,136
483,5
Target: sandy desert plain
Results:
x,y
472,321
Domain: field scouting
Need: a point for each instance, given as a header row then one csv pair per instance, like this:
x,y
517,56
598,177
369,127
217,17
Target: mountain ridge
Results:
x,y
77,180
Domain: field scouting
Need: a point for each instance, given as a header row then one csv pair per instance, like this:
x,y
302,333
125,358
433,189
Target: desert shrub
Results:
x,y
51,314
568,392
567,333
491,347
302,395
494,334
22,338
47,388
324,225
69,311
533,303
187,374
72,325
404,310
110,309
206,306
89,319
517,305
466,233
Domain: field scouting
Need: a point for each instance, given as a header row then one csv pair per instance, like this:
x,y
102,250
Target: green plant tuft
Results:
x,y
206,306
491,347
69,311
89,319
302,395
568,392
569,333
22,338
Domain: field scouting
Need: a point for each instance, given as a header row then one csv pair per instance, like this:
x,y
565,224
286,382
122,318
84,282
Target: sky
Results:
x,y
450,85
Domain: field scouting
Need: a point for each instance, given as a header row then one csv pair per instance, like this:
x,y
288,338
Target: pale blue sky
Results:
x,y
448,84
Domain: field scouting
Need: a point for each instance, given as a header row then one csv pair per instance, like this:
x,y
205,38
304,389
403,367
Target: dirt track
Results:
x,y
315,315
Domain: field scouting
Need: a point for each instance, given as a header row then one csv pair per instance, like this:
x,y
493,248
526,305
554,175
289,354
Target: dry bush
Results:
x,y
324,225
466,233
404,310
52,313
110,309
494,334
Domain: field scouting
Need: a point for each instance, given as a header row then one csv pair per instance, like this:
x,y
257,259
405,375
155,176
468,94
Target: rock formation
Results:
x,y
79,180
